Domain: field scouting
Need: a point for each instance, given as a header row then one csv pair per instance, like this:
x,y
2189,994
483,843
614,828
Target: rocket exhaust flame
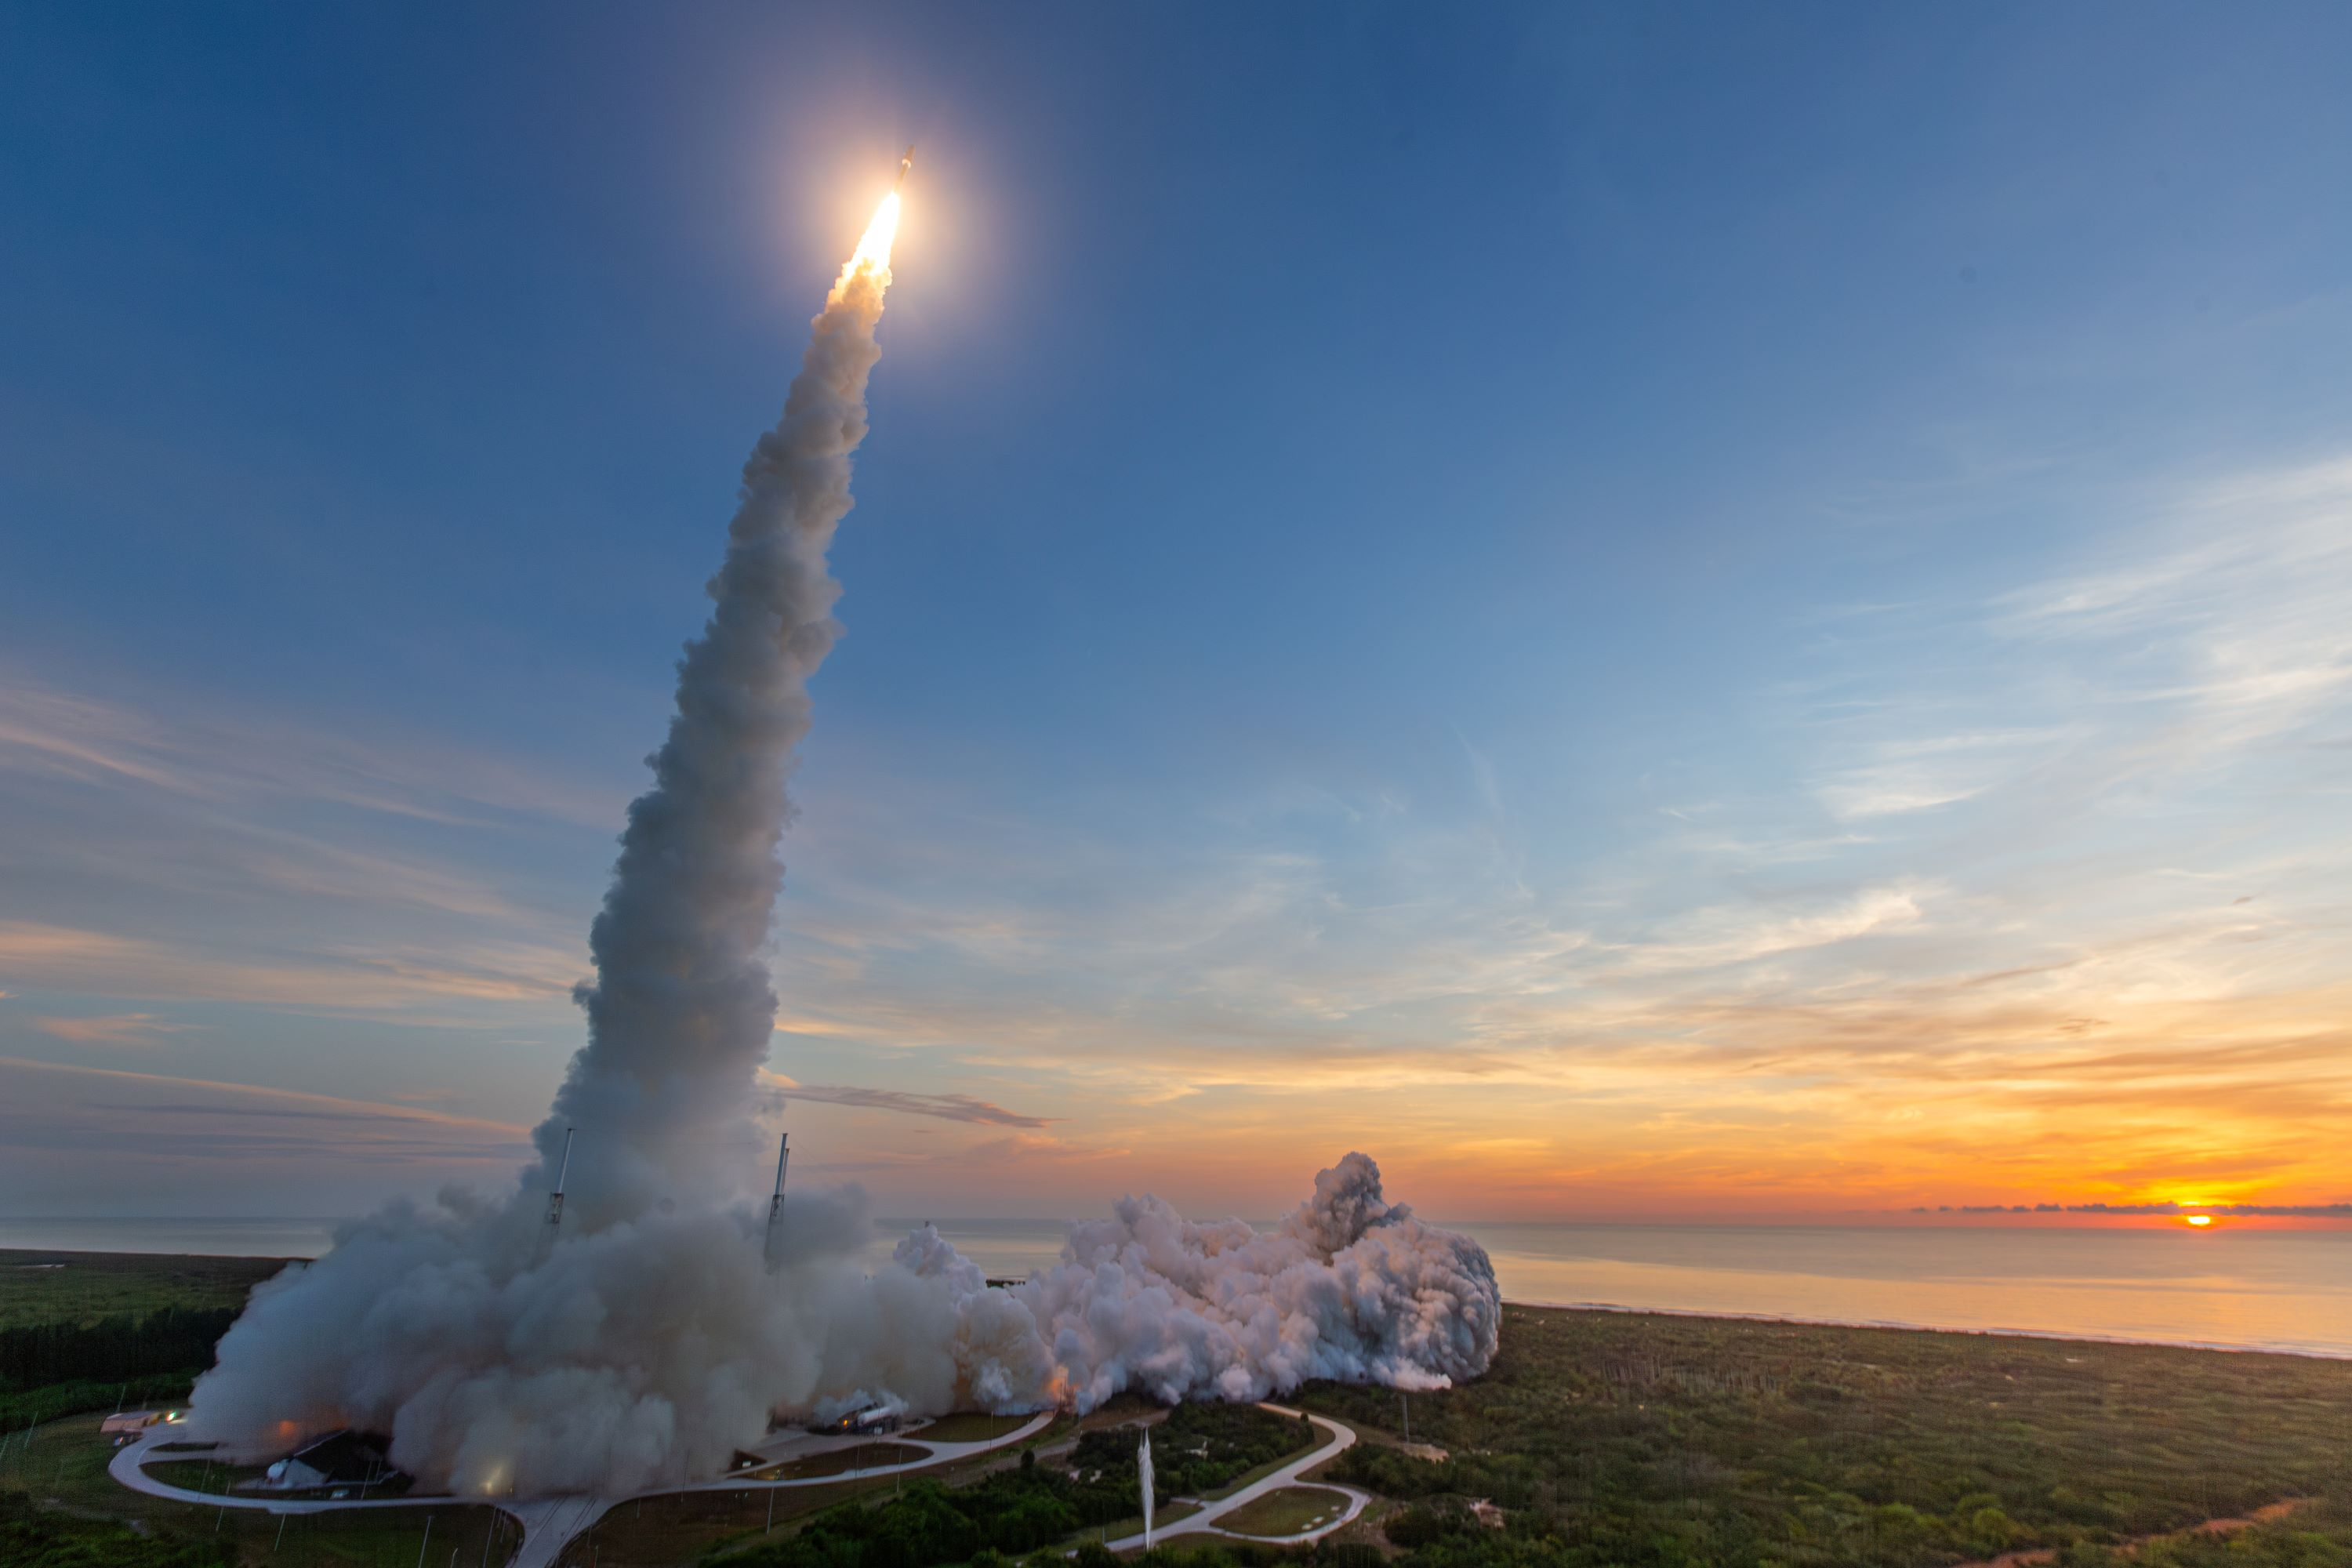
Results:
x,y
655,1329
874,249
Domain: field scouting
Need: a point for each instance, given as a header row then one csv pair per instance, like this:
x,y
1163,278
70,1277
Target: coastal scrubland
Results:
x,y
1631,1439
1628,1440
38,1288
89,1331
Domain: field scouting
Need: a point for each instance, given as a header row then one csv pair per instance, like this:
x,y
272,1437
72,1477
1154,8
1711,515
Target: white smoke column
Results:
x,y
651,1340
681,1012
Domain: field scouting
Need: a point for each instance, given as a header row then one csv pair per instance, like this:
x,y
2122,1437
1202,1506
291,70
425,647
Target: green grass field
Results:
x,y
1286,1511
197,1473
841,1461
681,1527
969,1426
678,1528
1322,1439
79,1287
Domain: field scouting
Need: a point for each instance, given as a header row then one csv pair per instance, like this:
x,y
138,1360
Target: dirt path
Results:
x,y
2034,1557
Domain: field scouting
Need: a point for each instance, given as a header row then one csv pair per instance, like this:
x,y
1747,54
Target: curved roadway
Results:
x,y
1206,1518
550,1523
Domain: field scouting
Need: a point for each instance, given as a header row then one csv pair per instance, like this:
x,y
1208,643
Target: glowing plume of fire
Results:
x,y
873,250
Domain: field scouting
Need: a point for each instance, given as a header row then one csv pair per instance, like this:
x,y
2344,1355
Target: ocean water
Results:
x,y
2239,1288
203,1237
2235,1287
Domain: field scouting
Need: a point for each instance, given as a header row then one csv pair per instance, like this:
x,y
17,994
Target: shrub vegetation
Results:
x,y
33,1537
1645,1441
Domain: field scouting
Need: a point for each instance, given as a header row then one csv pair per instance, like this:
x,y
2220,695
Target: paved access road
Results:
x,y
1206,1519
550,1523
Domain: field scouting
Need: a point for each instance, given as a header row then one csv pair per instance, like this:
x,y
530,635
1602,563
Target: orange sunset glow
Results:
x,y
994,606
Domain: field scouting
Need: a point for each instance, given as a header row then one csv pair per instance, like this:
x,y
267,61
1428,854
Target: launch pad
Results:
x,y
548,1523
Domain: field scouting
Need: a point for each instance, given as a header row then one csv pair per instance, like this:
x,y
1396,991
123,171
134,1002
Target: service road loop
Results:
x,y
1206,1519
549,1524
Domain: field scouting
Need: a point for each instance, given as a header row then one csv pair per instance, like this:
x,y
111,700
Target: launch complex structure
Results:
x,y
552,1227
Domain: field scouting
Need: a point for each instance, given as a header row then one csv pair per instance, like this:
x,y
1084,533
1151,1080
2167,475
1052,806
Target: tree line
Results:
x,y
121,1348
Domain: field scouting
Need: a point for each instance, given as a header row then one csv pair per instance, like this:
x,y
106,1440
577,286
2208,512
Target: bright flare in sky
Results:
x,y
874,249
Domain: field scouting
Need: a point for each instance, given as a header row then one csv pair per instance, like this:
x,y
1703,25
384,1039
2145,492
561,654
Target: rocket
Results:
x,y
905,163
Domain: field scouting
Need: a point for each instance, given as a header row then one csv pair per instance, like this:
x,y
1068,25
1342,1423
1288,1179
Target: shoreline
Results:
x,y
31,1258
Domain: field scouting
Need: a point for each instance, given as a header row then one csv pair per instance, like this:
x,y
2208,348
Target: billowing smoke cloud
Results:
x,y
658,1334
648,1351
1348,1287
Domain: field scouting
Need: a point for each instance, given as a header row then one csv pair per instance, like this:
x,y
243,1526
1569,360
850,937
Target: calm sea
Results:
x,y
2254,1290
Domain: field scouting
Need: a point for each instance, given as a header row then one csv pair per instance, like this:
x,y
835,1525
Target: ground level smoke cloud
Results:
x,y
647,1353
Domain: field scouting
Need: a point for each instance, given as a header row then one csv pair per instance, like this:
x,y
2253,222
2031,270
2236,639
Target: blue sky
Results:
x,y
1646,610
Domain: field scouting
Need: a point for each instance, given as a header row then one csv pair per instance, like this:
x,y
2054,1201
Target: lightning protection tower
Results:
x,y
776,1203
556,1199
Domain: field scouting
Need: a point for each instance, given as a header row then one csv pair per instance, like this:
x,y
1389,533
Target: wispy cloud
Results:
x,y
98,963
1922,773
223,756
50,1111
180,852
110,1029
946,1107
1716,936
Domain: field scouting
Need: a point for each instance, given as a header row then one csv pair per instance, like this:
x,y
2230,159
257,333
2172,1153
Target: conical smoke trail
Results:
x,y
652,1339
681,1012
